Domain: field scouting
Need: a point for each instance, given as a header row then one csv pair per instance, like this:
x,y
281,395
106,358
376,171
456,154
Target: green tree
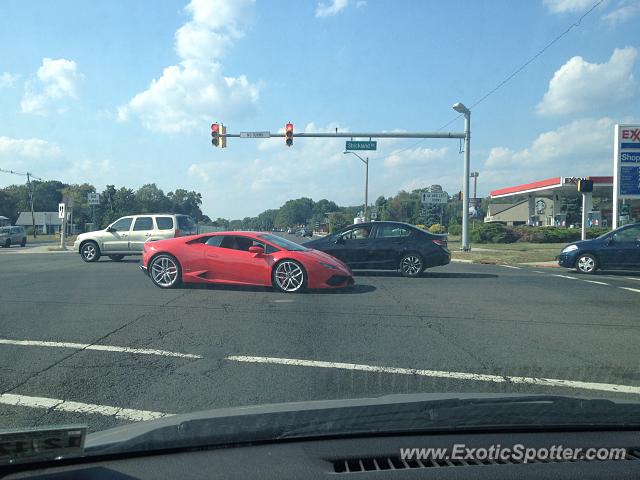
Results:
x,y
151,199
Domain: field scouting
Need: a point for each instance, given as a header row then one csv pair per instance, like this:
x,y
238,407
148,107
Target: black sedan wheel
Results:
x,y
23,242
165,271
586,263
116,258
90,252
411,265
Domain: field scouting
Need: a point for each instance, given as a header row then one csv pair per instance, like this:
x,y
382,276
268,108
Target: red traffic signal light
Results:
x,y
288,133
215,134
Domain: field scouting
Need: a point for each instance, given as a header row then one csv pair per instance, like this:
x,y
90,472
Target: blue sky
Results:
x,y
124,92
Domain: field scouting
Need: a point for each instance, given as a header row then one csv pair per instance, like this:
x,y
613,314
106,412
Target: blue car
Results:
x,y
615,250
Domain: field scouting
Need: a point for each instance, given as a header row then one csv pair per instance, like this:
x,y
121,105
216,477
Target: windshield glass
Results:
x,y
210,204
284,243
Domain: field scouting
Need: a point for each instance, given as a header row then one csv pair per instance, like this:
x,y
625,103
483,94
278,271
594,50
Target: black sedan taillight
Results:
x,y
442,242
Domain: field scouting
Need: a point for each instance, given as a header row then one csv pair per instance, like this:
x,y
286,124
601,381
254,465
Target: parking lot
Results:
x,y
99,344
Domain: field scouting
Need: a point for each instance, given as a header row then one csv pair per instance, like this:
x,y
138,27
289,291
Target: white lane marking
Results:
x,y
511,266
79,407
481,377
596,282
537,271
631,289
283,301
632,278
103,348
565,276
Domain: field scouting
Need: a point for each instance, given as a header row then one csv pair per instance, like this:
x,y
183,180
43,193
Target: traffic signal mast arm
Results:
x,y
355,135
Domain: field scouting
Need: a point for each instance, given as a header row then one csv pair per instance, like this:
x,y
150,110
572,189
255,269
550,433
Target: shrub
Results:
x,y
455,229
596,232
437,228
492,233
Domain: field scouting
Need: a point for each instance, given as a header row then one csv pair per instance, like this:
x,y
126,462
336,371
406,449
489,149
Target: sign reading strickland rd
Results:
x,y
626,161
435,197
361,145
255,134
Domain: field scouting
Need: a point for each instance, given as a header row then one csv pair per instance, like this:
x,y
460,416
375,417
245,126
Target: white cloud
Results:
x,y
27,148
8,80
582,86
624,11
56,80
414,156
196,90
331,9
568,6
582,147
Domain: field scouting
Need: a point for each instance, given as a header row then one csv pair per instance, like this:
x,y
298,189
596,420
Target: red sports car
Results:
x,y
242,258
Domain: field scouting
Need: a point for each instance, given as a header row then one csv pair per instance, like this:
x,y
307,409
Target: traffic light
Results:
x,y
288,133
215,134
585,186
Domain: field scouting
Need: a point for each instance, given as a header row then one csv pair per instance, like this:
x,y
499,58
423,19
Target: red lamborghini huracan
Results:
x,y
242,258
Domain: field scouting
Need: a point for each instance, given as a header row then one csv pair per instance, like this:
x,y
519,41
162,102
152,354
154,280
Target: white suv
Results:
x,y
126,235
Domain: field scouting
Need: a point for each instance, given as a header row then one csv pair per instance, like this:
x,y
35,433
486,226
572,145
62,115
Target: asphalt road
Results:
x,y
243,346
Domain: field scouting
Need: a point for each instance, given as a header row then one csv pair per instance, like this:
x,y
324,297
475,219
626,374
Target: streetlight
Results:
x,y
366,181
460,108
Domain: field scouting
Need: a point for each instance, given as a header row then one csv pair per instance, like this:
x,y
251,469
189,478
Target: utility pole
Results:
x,y
460,108
29,175
33,217
366,181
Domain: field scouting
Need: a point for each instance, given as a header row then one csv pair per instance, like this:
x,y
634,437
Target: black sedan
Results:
x,y
615,250
386,246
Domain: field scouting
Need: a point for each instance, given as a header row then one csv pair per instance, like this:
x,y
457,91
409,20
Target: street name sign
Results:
x,y
361,145
435,197
255,134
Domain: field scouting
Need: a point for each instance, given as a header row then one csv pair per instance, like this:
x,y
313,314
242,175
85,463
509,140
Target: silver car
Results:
x,y
127,235
12,236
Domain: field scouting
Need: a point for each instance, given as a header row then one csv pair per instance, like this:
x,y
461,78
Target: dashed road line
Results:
x,y
55,404
565,276
637,290
596,282
103,348
511,266
479,377
537,271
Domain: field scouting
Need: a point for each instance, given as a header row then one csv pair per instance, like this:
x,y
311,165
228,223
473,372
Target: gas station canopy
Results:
x,y
561,186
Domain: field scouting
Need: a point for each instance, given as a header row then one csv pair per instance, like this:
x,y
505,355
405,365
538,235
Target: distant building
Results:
x,y
46,222
4,221
518,213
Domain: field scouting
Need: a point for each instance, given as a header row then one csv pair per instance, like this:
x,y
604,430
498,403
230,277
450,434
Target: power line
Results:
x,y
26,174
513,74
527,63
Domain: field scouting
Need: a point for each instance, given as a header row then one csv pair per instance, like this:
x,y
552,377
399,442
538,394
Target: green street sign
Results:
x,y
361,145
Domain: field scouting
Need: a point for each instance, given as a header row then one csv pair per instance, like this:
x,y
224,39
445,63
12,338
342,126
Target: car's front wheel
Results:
x,y
411,265
586,263
165,271
90,252
7,243
23,242
116,258
289,276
